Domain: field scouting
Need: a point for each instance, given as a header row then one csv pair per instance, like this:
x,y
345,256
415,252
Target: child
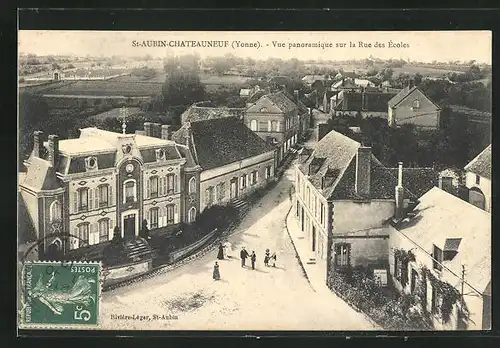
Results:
x,y
273,259
266,258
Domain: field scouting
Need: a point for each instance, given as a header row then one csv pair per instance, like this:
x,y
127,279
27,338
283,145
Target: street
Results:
x,y
267,298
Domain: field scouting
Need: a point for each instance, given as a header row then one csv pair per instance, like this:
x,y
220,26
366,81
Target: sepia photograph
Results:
x,y
254,180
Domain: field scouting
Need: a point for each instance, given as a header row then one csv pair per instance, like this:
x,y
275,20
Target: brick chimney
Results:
x,y
399,193
37,143
363,168
156,130
166,132
188,134
53,149
148,127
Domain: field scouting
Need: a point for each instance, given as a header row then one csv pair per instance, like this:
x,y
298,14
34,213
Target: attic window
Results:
x,y
416,104
451,248
91,163
160,154
263,110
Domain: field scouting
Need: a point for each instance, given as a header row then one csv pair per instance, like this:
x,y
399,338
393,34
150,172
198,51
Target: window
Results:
x,y
278,126
254,177
103,230
274,126
437,255
342,255
83,201
209,196
162,186
398,267
170,184
153,187
434,300
243,181
192,185
170,214
103,196
192,215
269,126
322,213
262,126
416,104
414,278
55,211
253,125
91,163
83,234
221,191
269,171
153,218
129,191
478,179
160,154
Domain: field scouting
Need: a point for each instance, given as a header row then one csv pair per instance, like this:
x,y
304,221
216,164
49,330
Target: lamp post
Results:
x,y
123,116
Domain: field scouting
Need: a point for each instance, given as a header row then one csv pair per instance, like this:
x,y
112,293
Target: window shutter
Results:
x,y
110,192
246,179
257,176
90,198
97,197
175,183
176,215
75,202
124,193
92,234
135,191
111,227
269,126
148,188
75,239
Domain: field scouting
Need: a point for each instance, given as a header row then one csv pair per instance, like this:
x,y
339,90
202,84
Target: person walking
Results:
x,y
253,258
266,258
216,273
273,259
243,255
220,254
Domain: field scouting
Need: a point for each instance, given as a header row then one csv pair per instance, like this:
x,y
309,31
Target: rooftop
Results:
x,y
206,111
481,164
441,220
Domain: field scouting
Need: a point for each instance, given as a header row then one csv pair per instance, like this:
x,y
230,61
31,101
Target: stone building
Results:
x,y
345,199
225,161
77,190
478,180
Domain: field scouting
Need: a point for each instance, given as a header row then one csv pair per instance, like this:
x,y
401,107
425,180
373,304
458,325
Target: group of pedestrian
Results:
x,y
268,258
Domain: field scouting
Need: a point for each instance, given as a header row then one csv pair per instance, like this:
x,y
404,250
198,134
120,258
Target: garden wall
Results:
x,y
112,275
179,254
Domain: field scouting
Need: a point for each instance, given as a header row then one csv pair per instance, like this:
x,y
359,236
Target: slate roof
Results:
x,y
337,154
441,216
256,96
404,93
218,142
481,164
41,175
281,101
197,112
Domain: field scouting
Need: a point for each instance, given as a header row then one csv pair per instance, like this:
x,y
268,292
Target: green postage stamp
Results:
x,y
60,294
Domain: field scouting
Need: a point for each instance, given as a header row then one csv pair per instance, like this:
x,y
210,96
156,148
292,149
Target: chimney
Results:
x,y
166,132
399,194
188,134
37,143
296,95
53,149
363,168
148,128
156,130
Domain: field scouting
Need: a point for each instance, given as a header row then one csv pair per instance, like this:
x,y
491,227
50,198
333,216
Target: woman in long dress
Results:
x,y
216,273
227,250
220,254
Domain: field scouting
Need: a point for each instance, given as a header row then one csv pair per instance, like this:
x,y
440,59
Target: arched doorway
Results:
x,y
477,198
54,251
56,76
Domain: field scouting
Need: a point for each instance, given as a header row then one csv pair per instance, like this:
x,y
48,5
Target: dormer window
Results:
x,y
450,249
416,104
160,155
91,163
263,110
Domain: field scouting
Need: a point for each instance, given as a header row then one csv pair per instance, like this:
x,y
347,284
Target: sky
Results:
x,y
425,46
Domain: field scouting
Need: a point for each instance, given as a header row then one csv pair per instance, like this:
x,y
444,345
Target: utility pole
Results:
x,y
463,279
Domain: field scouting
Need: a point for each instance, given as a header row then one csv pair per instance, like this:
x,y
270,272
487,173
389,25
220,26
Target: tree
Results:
x,y
182,88
55,66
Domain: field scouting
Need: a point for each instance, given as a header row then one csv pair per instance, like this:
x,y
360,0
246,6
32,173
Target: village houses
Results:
x,y
412,106
341,179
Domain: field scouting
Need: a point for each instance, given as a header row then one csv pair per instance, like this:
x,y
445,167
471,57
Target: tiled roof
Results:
x,y
400,96
312,78
481,165
200,113
256,96
218,142
441,216
281,101
41,175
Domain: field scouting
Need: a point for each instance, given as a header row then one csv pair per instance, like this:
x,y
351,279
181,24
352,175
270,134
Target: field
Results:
x,y
423,70
115,113
109,88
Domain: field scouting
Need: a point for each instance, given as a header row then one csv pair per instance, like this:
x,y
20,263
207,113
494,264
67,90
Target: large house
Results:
x,y
478,180
85,187
412,106
345,199
449,241
278,120
225,161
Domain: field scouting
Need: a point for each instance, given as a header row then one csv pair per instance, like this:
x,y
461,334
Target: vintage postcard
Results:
x,y
254,180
